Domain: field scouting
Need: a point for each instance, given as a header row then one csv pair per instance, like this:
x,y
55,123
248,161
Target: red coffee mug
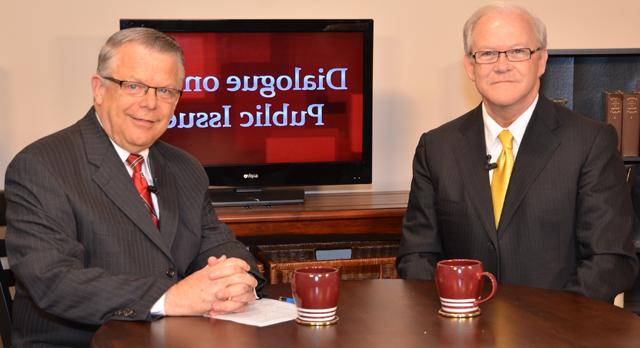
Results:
x,y
459,285
316,290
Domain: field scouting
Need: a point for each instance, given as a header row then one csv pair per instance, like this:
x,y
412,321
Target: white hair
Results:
x,y
539,27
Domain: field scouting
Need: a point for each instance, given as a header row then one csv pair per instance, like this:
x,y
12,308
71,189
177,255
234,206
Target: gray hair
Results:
x,y
147,37
539,27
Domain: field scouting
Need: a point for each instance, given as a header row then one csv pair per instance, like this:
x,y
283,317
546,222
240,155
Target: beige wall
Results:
x,y
49,48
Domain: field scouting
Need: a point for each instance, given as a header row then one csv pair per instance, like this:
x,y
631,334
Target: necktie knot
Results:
x,y
506,139
135,161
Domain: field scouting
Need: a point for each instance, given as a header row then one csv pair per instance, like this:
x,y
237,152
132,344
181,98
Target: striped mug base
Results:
x,y
458,308
317,317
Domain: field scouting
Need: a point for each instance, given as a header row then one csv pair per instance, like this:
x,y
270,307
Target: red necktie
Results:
x,y
135,162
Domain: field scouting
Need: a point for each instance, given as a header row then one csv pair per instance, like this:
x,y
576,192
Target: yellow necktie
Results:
x,y
501,175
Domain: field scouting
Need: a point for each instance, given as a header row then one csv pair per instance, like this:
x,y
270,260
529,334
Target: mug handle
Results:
x,y
494,286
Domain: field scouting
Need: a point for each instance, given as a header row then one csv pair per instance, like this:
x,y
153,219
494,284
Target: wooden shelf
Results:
x,y
323,213
631,160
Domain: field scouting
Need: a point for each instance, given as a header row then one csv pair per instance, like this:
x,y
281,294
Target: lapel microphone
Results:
x,y
154,188
489,166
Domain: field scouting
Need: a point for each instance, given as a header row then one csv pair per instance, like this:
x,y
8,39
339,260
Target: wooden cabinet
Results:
x,y
285,237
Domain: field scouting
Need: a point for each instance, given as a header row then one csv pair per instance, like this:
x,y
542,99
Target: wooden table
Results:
x,y
399,313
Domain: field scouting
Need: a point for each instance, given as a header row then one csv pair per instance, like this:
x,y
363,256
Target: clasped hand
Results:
x,y
222,286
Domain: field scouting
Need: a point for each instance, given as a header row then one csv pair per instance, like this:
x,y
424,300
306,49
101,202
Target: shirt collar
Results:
x,y
124,154
517,128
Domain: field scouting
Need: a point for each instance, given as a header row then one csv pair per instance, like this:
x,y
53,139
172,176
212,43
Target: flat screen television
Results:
x,y
273,103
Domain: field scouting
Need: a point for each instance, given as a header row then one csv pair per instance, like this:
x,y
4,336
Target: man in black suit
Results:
x,y
105,222
530,188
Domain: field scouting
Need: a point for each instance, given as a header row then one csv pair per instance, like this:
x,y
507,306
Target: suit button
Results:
x,y
171,273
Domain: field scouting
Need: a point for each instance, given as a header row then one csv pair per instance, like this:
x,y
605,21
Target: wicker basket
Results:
x,y
369,260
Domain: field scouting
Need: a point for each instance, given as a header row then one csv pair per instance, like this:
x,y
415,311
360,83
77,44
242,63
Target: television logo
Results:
x,y
250,175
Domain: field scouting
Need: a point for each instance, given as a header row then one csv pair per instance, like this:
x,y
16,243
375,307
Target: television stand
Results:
x,y
251,197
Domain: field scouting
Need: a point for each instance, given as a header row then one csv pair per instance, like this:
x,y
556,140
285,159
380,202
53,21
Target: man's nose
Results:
x,y
150,99
503,62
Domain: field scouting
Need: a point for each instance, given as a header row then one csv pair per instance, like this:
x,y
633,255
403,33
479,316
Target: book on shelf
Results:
x,y
630,123
613,112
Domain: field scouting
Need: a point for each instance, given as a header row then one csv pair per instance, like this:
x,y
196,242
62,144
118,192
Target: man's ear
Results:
x,y
469,67
97,87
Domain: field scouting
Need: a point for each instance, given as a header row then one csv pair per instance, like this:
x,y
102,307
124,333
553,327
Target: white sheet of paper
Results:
x,y
263,312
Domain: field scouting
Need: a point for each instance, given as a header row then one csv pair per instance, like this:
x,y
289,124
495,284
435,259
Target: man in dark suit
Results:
x,y
105,222
549,206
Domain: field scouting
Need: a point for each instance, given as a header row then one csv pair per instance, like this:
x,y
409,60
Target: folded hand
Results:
x,y
222,286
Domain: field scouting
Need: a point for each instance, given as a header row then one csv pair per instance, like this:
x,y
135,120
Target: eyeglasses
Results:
x,y
138,89
513,55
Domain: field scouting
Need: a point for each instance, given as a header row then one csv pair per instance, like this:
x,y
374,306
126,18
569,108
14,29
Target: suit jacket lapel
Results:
x,y
538,144
470,153
167,187
112,177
